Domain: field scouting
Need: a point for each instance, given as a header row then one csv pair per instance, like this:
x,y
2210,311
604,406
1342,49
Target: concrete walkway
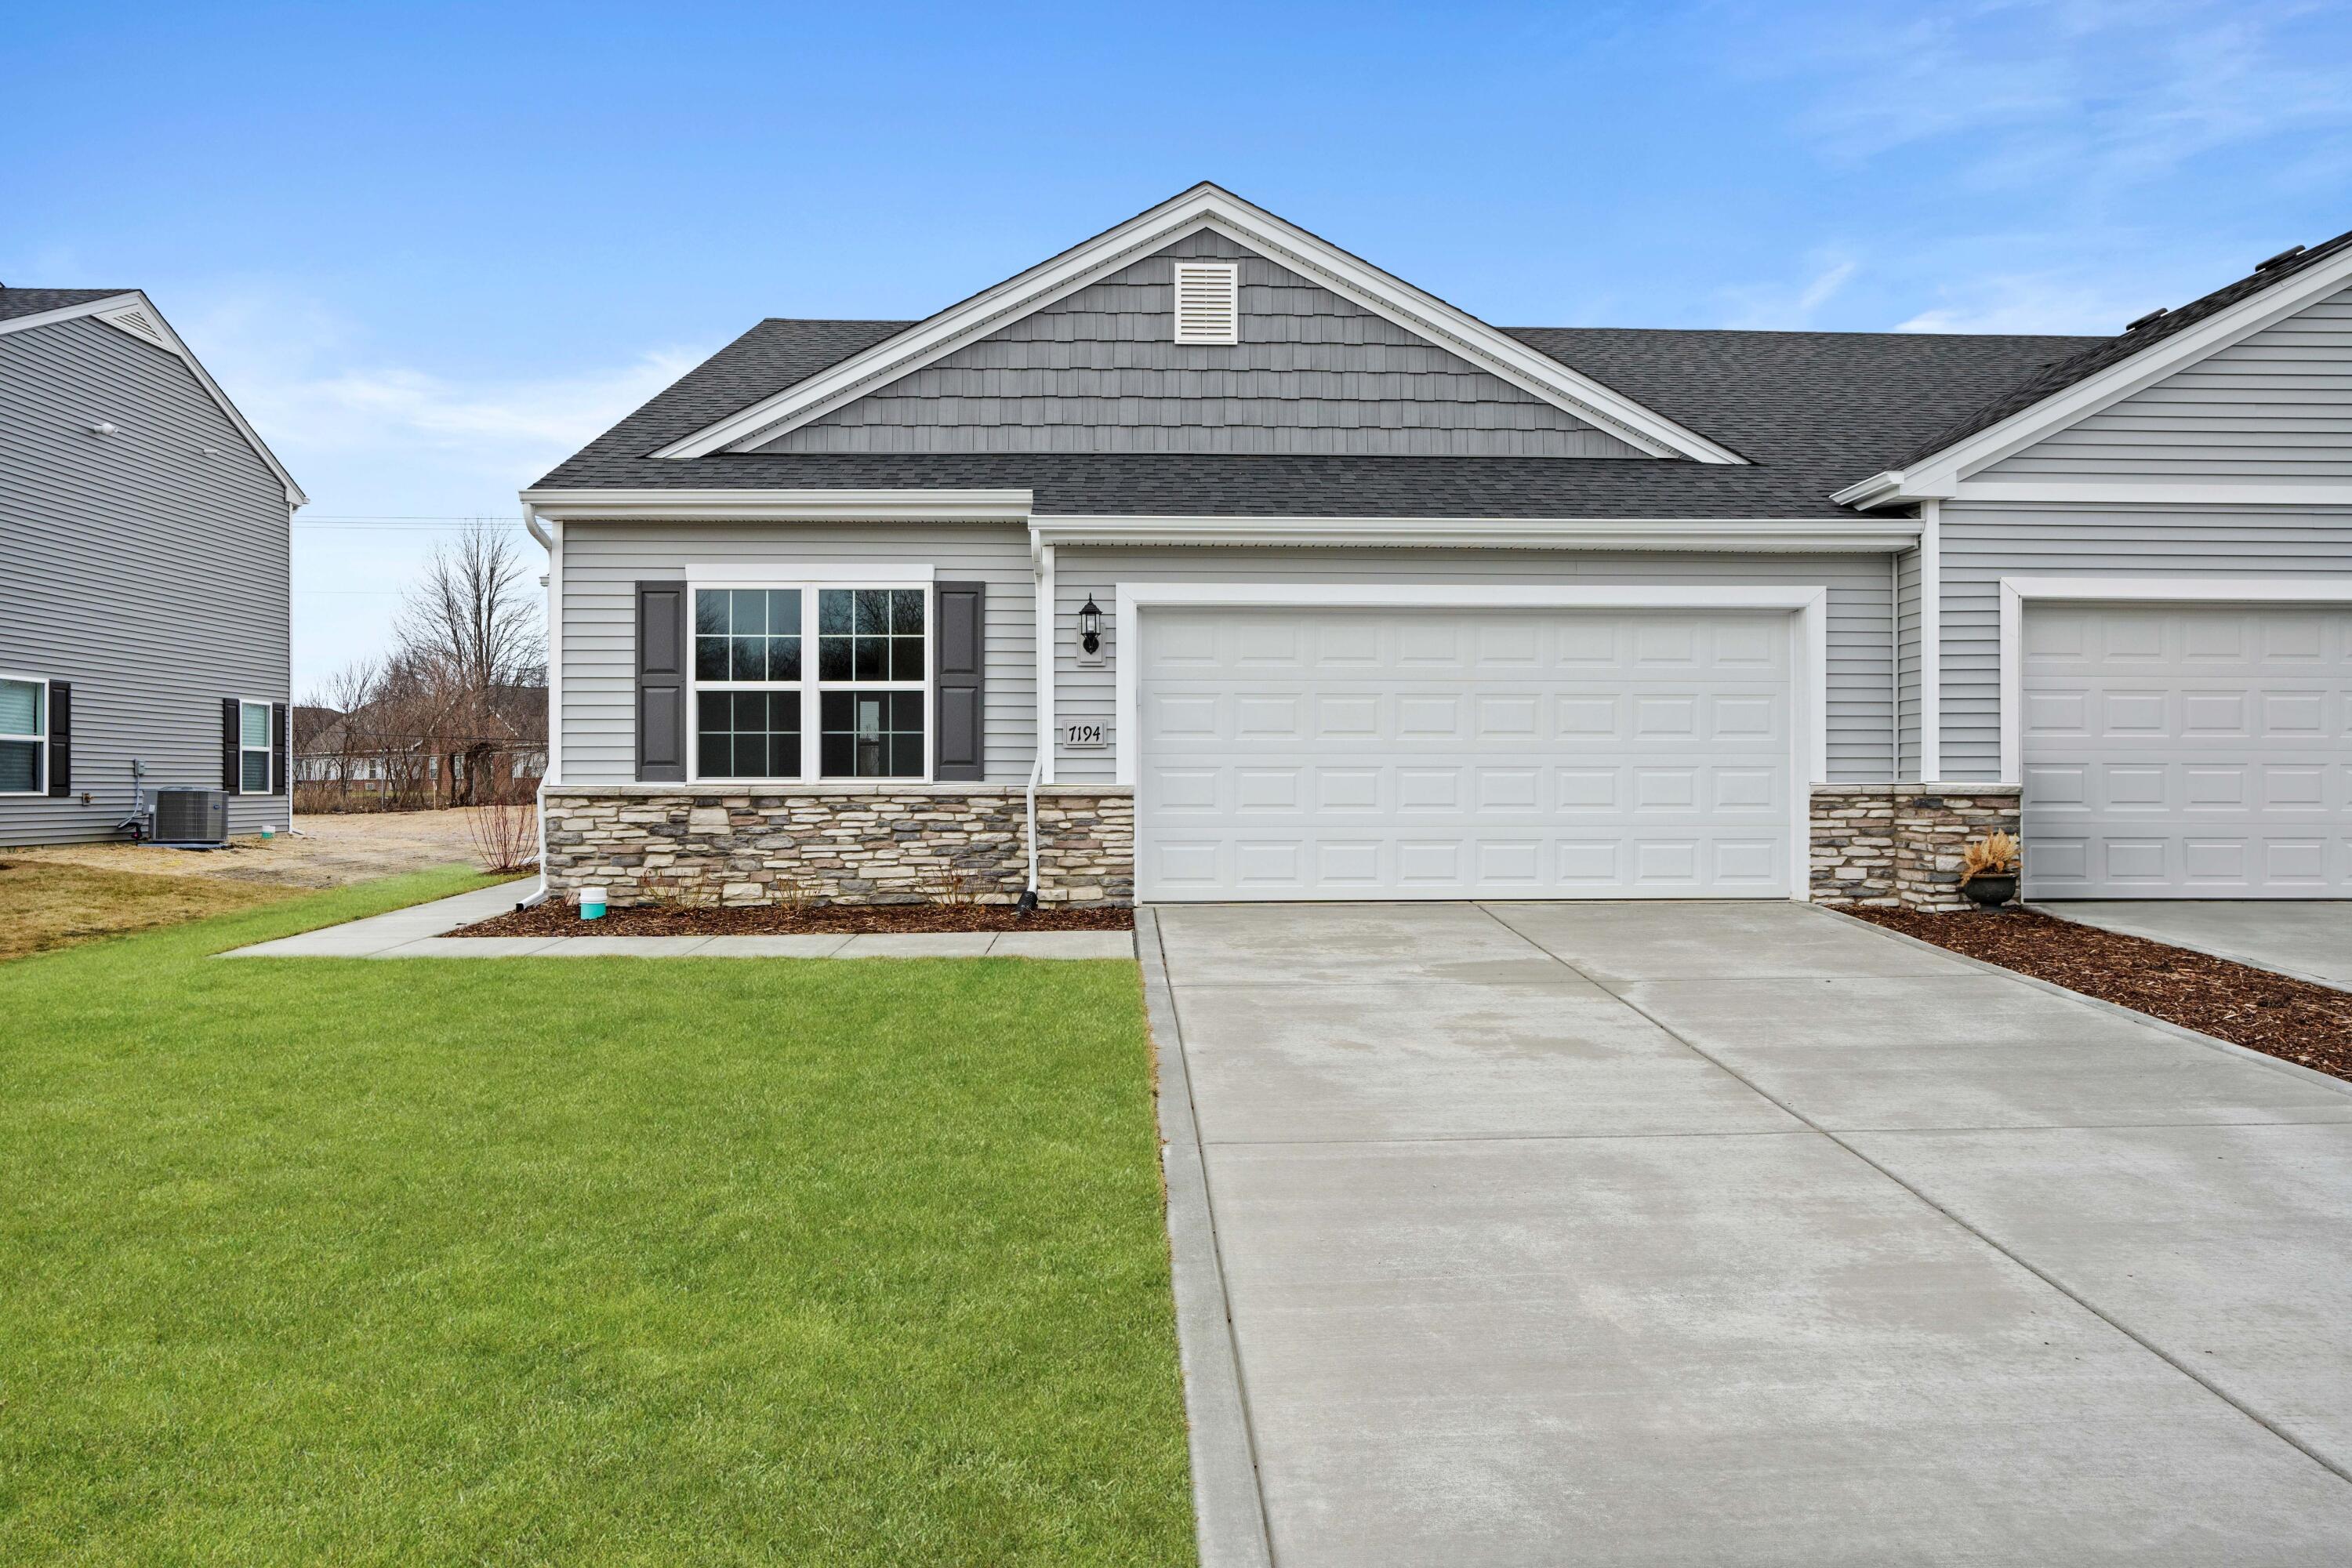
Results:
x,y
1726,1234
2306,939
421,931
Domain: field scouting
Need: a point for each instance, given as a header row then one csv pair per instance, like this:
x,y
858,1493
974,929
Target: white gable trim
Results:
x,y
1943,474
683,505
112,309
1204,206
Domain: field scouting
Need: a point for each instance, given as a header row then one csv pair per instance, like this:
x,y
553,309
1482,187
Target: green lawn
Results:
x,y
577,1261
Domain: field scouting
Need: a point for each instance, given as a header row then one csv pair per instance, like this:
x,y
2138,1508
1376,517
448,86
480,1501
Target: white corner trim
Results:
x,y
164,338
1802,535
1047,615
778,505
793,573
1931,640
1940,474
1204,206
1809,645
2016,592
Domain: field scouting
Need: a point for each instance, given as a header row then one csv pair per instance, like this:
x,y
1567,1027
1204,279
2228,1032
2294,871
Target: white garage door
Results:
x,y
2188,752
1293,753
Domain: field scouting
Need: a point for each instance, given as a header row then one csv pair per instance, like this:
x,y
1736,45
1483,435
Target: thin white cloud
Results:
x,y
1780,307
2109,96
338,413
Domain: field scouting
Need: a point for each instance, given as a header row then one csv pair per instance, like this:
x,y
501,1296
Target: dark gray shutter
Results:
x,y
957,695
278,748
60,739
231,779
661,682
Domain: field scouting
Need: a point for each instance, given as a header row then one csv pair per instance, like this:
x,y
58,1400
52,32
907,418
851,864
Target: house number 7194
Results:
x,y
1082,737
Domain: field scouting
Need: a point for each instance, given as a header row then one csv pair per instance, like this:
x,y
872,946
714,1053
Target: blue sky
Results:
x,y
431,249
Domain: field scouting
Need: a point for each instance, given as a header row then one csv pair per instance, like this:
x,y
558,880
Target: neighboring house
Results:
x,y
387,752
144,609
1292,580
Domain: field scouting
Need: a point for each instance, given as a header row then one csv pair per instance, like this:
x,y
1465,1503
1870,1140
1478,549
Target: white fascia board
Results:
x,y
1809,535
2154,492
1940,475
754,505
2016,592
1204,206
171,344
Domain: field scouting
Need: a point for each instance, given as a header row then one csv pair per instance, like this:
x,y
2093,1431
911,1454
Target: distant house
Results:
x,y
411,755
144,612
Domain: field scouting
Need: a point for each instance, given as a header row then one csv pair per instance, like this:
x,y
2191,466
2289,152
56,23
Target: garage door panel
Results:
x,y
2173,751
1456,754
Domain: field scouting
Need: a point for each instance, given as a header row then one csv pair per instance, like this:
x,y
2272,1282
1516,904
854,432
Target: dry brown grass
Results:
x,y
46,904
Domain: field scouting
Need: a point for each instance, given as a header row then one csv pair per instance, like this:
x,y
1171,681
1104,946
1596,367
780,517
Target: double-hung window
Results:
x,y
24,735
252,748
778,666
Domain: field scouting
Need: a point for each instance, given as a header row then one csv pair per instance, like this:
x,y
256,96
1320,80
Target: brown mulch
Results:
x,y
2292,1019
553,919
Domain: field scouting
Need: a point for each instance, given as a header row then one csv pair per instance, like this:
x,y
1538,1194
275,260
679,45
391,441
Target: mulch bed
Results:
x,y
553,919
2292,1019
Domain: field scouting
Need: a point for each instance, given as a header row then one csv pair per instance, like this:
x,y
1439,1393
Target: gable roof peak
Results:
x,y
1202,206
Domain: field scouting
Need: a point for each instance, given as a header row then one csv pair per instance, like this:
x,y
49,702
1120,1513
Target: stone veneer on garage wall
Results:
x,y
1897,846
860,844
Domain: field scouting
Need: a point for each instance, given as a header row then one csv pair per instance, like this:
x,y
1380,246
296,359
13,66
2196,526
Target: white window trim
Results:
x,y
808,581
1807,605
48,729
268,749
2016,592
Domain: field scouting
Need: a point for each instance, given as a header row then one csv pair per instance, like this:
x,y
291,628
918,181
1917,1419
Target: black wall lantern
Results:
x,y
1090,625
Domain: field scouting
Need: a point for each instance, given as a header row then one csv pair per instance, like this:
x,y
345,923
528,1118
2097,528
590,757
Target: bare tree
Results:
x,y
472,615
469,634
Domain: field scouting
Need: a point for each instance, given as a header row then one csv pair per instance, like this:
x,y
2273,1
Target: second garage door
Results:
x,y
1291,754
2172,751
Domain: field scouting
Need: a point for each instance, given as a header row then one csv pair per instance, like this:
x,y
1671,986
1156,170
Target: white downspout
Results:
x,y
551,774
1931,642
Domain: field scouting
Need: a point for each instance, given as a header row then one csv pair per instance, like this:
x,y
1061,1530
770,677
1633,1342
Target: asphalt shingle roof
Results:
x,y
15,302
1811,411
2105,352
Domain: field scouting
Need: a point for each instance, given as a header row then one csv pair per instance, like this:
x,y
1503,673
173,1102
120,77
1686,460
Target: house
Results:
x,y
144,616
391,749
1287,580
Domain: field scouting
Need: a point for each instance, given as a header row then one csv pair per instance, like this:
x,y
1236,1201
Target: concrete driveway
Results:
x,y
1747,1234
2307,939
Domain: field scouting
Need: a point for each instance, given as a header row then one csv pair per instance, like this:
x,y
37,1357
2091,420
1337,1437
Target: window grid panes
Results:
x,y
253,744
747,634
872,734
869,635
863,688
23,730
748,734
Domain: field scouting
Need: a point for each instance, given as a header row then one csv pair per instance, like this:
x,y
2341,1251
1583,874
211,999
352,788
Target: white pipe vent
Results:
x,y
1208,302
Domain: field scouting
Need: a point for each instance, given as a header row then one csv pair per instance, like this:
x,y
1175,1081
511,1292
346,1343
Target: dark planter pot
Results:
x,y
1991,891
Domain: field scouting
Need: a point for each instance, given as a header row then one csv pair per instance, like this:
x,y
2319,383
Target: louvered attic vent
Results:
x,y
1208,302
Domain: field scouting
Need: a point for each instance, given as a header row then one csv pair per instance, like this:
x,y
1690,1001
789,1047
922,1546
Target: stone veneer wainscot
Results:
x,y
1897,846
860,844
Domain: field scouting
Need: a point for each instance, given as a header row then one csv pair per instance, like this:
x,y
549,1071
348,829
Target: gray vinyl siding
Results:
x,y
1861,623
1099,371
149,568
1982,543
603,560
2275,405
1907,663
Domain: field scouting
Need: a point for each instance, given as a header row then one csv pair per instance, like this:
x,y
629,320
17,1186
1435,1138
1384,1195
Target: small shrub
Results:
x,y
504,833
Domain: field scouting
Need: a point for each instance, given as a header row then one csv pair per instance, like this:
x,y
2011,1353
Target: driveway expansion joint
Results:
x,y
2184,1368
